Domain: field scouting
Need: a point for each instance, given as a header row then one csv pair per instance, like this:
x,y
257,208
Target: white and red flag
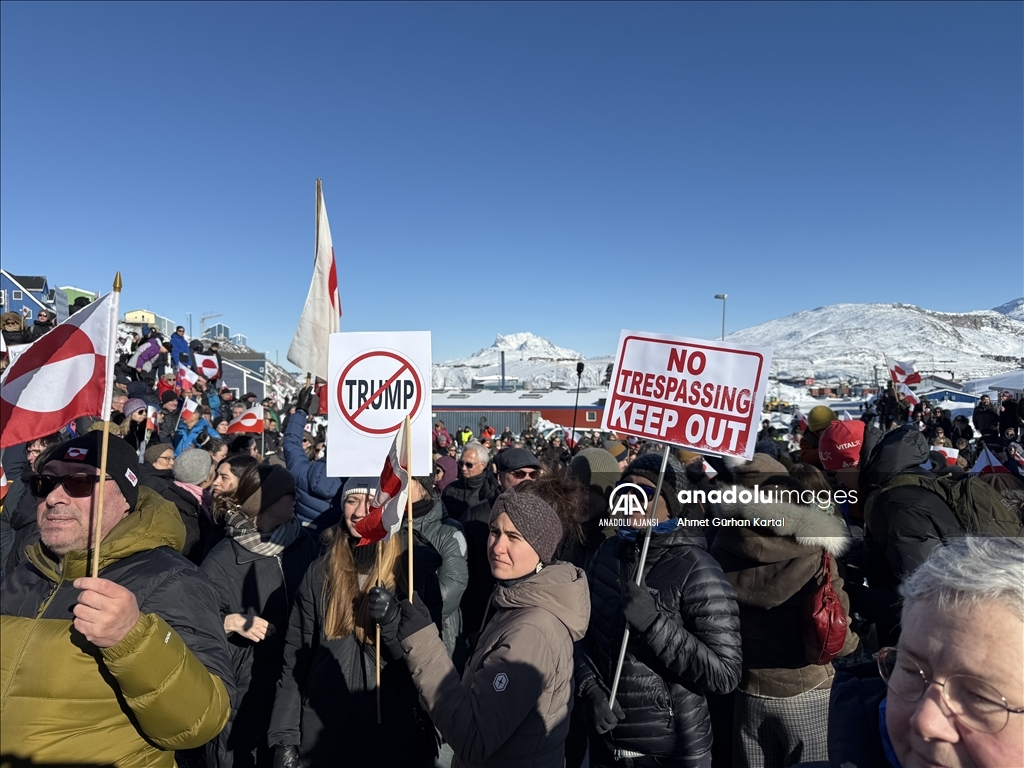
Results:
x,y
951,454
249,421
908,393
63,375
188,408
388,504
151,419
186,378
3,483
987,463
902,373
321,315
207,367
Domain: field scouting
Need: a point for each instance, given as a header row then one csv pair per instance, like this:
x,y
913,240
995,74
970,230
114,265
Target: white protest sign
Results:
x,y
692,393
375,381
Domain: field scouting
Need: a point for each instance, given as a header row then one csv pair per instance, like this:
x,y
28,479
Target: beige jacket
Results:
x,y
512,706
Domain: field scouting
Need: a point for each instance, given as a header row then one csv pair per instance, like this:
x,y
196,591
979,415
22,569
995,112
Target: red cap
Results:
x,y
839,445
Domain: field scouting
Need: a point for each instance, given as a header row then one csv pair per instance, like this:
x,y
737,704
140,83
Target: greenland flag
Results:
x,y
987,463
151,419
250,421
321,315
186,378
66,374
388,505
206,366
908,393
903,373
188,408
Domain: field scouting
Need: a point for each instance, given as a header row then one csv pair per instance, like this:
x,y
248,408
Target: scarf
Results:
x,y
202,497
268,544
629,533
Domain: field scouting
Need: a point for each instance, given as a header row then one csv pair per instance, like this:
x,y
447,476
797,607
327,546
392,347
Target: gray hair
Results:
x,y
481,451
969,571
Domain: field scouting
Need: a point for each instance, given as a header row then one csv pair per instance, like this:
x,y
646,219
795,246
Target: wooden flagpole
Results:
x,y
379,574
98,528
408,496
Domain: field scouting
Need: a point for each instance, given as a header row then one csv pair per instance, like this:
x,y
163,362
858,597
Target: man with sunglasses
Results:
x,y
515,466
133,664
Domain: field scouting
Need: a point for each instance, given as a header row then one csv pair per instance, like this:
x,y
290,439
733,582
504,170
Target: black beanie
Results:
x,y
122,460
648,466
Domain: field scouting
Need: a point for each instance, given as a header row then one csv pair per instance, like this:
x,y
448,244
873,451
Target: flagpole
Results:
x,y
316,225
379,550
106,440
408,496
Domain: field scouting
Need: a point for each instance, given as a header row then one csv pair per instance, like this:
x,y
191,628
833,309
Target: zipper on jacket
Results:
x,y
49,598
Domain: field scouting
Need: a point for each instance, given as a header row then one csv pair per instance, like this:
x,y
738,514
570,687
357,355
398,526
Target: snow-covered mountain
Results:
x,y
534,360
848,340
838,341
1012,309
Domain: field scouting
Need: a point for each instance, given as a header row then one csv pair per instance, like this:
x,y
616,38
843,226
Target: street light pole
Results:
x,y
723,297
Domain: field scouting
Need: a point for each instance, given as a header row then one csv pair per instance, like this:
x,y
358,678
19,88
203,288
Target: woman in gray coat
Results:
x,y
513,703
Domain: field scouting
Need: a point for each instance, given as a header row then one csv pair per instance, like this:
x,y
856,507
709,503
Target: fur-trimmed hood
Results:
x,y
798,528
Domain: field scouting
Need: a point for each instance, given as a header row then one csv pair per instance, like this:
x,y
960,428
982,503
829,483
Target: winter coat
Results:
x,y
169,425
145,356
180,347
196,520
469,500
854,736
445,537
185,437
985,419
961,431
903,524
165,686
20,512
255,585
513,704
317,502
693,648
774,570
809,450
325,702
1007,416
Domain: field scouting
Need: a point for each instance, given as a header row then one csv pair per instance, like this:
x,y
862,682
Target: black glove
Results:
x,y
415,617
384,609
287,757
307,401
604,717
638,607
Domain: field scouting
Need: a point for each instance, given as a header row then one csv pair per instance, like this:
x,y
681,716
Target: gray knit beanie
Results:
x,y
596,467
534,518
193,466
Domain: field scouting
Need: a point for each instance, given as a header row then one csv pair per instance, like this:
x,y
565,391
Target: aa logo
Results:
x,y
628,499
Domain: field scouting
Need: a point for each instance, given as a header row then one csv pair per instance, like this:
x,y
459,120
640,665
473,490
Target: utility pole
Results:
x,y
723,297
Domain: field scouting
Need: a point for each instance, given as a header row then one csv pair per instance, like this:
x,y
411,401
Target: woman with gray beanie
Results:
x,y
512,705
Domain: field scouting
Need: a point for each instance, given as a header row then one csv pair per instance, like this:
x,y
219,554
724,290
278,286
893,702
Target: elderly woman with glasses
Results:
x,y
952,690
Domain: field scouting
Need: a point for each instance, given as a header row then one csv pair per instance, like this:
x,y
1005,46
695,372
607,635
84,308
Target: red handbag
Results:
x,y
823,623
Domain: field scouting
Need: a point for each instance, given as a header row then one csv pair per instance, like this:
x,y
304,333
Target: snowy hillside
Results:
x,y
1012,309
534,360
848,340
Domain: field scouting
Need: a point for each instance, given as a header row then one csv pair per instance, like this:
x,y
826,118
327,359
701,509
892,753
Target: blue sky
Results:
x,y
490,168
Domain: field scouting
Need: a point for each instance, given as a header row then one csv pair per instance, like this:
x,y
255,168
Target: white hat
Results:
x,y
365,485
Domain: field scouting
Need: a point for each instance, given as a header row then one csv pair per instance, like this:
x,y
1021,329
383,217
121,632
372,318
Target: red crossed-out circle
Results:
x,y
403,364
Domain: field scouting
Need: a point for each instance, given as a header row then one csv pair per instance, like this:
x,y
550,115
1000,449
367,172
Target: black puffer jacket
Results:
x,y
255,585
693,648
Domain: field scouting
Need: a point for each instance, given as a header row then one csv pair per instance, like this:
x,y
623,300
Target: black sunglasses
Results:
x,y
77,486
467,464
523,474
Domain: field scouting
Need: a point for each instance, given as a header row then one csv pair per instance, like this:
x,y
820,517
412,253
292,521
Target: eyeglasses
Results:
x,y
468,464
524,474
165,458
77,486
973,702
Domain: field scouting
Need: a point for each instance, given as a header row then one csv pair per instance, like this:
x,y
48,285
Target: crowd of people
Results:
x,y
239,618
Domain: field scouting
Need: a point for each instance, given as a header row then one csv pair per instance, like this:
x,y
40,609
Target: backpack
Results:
x,y
976,505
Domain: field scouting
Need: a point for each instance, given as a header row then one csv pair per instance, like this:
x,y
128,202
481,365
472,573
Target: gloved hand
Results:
x,y
383,608
307,401
287,757
604,717
415,617
638,607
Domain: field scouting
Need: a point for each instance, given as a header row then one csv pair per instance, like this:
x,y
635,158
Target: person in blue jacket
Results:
x,y
179,347
189,431
316,495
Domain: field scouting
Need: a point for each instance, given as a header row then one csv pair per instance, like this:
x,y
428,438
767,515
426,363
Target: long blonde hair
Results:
x,y
347,609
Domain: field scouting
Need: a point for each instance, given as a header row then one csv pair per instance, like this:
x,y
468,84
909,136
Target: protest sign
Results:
x,y
375,381
688,392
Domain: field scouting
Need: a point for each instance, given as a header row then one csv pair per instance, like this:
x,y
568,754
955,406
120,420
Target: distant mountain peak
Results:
x,y
1012,309
527,346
